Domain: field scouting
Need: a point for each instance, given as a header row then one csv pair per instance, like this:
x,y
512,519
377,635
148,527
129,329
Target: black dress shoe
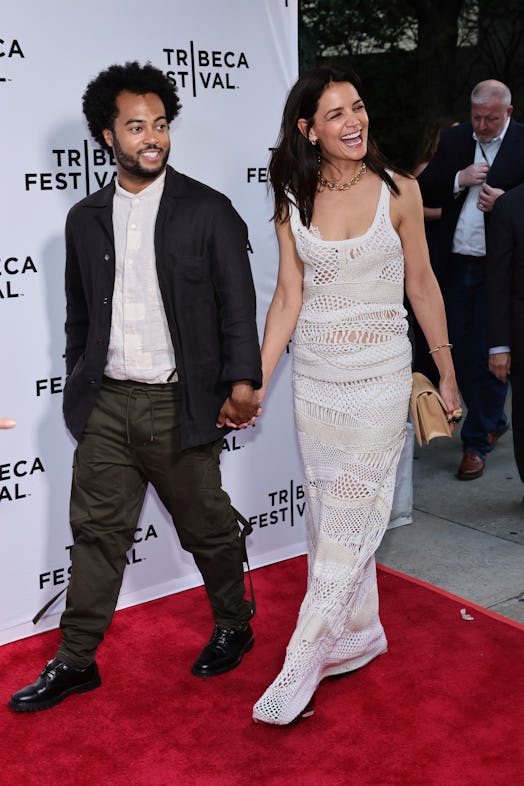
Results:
x,y
223,651
57,681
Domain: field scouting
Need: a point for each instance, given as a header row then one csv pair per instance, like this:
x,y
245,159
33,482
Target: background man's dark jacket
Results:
x,y
455,152
505,274
207,290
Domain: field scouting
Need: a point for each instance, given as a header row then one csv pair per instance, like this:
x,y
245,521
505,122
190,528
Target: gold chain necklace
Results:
x,y
342,186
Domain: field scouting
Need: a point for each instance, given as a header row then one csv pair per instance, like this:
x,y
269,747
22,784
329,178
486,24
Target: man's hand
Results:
x,y
473,175
487,198
241,408
500,365
7,423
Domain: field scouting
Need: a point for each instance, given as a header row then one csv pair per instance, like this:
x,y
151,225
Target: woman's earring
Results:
x,y
314,142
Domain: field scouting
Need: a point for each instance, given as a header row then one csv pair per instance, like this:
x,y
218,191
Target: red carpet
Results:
x,y
444,707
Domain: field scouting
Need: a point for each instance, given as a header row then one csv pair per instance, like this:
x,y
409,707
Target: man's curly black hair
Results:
x,y
99,99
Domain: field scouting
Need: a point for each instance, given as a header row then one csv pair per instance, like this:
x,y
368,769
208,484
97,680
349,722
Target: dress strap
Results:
x,y
384,203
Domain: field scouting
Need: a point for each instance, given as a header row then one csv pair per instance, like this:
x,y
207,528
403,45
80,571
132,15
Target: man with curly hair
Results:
x,y
162,358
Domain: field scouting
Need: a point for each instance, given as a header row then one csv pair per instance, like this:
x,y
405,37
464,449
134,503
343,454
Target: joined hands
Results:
x,y
241,408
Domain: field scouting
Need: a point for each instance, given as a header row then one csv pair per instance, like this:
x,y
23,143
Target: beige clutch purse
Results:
x,y
428,412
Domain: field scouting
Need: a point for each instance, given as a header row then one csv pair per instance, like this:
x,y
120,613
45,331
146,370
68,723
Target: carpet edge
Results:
x,y
481,609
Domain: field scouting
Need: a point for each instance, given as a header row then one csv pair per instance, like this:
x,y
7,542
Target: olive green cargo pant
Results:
x,y
132,438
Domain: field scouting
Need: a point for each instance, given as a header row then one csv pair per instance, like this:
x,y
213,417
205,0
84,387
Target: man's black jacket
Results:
x,y
207,290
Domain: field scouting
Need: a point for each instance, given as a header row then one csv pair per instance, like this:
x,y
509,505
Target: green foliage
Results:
x,y
418,59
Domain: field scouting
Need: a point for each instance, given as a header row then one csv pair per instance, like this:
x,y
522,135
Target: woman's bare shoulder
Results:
x,y
409,190
405,182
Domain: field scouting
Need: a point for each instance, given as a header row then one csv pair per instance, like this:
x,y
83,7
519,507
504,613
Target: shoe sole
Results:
x,y
470,476
46,705
307,712
247,648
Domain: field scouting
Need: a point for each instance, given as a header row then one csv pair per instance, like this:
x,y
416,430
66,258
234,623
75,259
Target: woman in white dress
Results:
x,y
350,234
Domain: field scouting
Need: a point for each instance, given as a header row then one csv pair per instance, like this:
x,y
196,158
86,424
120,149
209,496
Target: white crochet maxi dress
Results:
x,y
352,380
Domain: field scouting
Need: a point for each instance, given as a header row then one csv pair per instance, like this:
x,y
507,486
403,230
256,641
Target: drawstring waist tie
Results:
x,y
132,390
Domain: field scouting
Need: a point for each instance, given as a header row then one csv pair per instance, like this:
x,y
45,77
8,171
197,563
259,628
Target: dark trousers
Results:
x,y
131,439
517,414
483,394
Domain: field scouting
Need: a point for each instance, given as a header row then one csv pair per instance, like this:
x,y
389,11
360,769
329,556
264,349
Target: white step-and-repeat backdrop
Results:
x,y
233,62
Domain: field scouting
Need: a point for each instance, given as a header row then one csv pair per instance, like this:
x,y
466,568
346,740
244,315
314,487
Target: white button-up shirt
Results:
x,y
470,234
140,347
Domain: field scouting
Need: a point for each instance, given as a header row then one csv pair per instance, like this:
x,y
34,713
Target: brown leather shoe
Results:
x,y
471,466
494,436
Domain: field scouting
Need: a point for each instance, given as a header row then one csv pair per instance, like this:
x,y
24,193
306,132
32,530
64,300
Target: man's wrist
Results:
x,y
242,384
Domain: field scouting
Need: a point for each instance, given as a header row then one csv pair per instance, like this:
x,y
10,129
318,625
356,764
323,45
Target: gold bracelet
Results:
x,y
441,346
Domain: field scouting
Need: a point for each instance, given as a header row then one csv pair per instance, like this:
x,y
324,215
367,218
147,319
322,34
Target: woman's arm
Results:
x,y
422,288
285,306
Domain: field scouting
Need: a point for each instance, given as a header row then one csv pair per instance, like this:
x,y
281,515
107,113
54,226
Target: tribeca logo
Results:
x,y
58,576
87,169
258,174
12,476
9,48
232,443
50,386
207,69
10,268
286,507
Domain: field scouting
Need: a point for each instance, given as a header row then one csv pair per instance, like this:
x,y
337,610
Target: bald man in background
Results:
x,y
475,163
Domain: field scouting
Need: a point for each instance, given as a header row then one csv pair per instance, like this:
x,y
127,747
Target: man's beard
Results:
x,y
132,165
